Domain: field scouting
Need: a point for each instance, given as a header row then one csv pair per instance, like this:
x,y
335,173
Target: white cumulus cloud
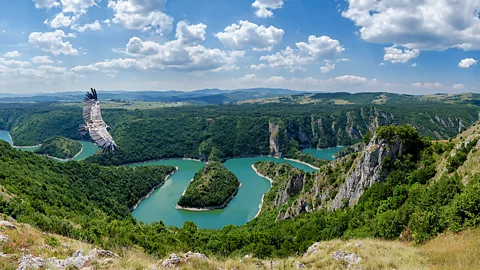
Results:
x,y
328,67
467,62
184,54
52,42
247,34
42,60
141,15
397,55
427,85
458,86
418,24
258,67
317,48
77,6
12,54
59,21
46,3
95,26
190,33
265,7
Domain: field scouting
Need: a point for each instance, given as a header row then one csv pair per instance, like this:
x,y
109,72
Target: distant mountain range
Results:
x,y
251,95
204,96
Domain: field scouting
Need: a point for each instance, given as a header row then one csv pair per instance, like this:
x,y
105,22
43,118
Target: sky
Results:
x,y
401,46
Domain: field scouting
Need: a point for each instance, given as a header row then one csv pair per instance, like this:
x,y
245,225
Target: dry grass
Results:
x,y
454,251
448,251
341,102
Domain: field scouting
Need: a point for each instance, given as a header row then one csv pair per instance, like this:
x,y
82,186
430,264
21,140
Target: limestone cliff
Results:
x,y
338,184
370,168
273,130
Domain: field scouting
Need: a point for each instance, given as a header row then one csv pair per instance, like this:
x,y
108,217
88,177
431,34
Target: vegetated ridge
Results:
x,y
60,147
211,188
221,132
405,201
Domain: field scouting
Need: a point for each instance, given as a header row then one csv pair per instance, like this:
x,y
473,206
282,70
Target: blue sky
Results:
x,y
407,46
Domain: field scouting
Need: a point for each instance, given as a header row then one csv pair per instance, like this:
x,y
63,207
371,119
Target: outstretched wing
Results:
x,y
102,138
91,108
95,124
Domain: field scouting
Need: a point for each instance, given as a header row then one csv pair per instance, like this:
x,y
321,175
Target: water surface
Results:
x,y
89,148
241,209
326,153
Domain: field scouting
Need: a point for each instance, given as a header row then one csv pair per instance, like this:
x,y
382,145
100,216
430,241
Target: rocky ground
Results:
x,y
24,247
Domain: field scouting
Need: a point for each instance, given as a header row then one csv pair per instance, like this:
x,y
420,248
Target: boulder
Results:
x,y
172,261
312,249
78,260
102,253
300,265
190,254
6,224
30,262
3,238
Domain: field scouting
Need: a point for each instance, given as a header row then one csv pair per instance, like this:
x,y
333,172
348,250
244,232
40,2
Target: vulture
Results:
x,y
94,123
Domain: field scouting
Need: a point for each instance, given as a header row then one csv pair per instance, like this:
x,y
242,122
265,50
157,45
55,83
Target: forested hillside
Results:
x,y
212,187
60,147
404,202
234,130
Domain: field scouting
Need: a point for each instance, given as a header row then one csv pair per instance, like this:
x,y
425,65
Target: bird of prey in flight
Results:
x,y
94,123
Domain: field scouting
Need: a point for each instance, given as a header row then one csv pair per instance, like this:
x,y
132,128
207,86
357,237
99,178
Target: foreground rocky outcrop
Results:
x,y
77,261
174,260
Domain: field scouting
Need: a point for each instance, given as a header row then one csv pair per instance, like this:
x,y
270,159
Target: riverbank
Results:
x,y
263,196
157,160
21,147
304,163
152,190
64,159
185,190
210,208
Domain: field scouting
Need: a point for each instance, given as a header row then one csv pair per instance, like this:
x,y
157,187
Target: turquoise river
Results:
x,y
160,205
88,148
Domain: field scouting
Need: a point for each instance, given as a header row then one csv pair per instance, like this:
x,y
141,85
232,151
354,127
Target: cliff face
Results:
x,y
338,184
292,187
273,130
370,168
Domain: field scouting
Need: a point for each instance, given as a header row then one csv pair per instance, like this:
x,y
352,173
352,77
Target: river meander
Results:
x,y
243,207
160,205
88,148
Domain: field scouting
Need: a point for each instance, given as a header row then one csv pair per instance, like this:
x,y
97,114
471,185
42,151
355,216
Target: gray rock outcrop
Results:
x,y
350,258
274,145
30,262
371,168
6,224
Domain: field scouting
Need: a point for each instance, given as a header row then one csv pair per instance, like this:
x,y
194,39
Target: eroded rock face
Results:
x,y
77,260
172,261
30,262
369,169
6,224
274,145
291,188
